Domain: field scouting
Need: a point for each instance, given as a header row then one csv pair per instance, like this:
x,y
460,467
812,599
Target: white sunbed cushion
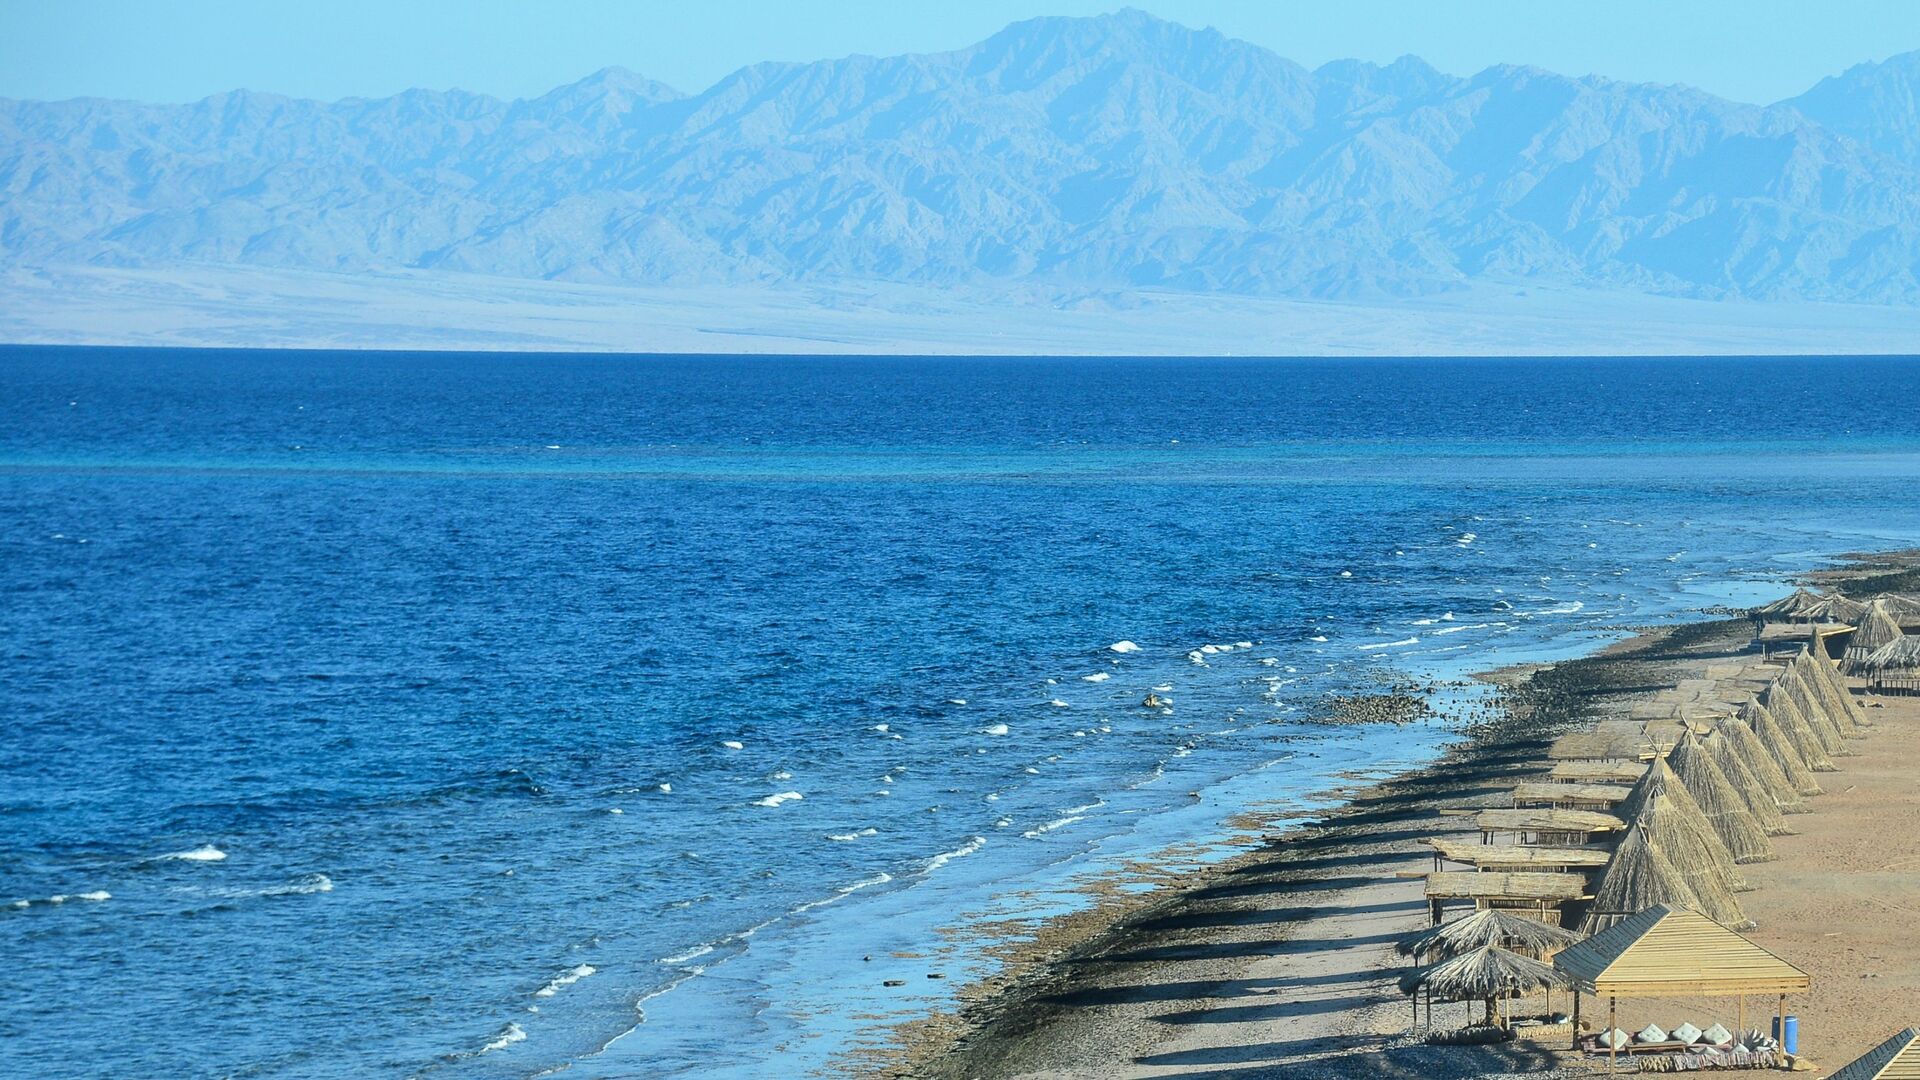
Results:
x,y
1716,1035
1686,1033
1650,1034
1615,1039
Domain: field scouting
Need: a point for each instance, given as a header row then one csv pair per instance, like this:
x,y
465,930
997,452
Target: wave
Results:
x,y
996,729
782,797
1123,647
1464,626
60,898
1098,676
694,953
1570,608
565,979
960,852
841,893
513,1034
1388,644
852,836
203,853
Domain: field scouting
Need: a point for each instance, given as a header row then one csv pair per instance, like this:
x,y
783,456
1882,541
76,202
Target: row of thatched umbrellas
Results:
x,y
1711,804
1879,644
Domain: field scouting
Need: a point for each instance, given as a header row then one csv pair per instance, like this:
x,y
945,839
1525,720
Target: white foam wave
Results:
x,y
1057,703
1570,608
960,852
203,853
311,883
1123,647
694,953
1098,676
782,797
996,729
513,1034
842,893
1388,644
1463,626
565,979
849,837
733,744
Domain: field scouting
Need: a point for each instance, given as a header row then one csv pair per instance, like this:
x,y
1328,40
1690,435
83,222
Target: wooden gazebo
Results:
x,y
1673,952
1546,826
1597,772
1513,857
1540,893
1570,796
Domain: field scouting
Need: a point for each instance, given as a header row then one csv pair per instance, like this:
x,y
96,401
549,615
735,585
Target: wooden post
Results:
x,y
1576,1019
1613,1005
1783,1031
1741,1012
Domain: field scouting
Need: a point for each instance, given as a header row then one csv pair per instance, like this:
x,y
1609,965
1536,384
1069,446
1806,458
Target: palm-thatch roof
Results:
x,y
1726,811
1666,951
1760,764
1901,655
1897,1057
1833,608
1481,974
1639,876
1791,608
1514,857
1502,929
1878,629
1781,747
1823,679
1754,794
1786,712
1794,683
1597,772
1904,607
1664,807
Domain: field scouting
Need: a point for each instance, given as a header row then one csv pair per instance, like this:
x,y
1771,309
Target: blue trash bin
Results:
x,y
1789,1039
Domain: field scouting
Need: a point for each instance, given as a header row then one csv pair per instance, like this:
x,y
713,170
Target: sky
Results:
x,y
182,50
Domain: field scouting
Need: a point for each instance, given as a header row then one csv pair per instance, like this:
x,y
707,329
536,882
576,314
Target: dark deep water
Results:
x,y
355,683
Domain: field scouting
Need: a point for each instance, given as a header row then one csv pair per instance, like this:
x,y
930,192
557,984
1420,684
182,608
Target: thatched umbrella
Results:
x,y
1821,722
1755,794
1834,608
1667,813
1490,926
1781,747
1488,973
1823,679
1760,764
1898,657
1725,809
1637,877
1800,735
1788,608
1877,630
1904,607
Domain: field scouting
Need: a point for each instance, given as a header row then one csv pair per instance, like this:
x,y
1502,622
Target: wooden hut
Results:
x,y
1570,796
1546,826
1597,772
1542,893
1896,1059
1513,857
1667,952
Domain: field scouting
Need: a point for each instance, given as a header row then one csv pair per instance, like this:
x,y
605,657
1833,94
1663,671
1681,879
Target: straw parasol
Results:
x,y
1788,608
1904,607
1877,630
1760,764
1800,736
1666,812
1488,973
1639,876
1503,929
1823,678
1755,794
1780,746
1726,811
1821,722
1833,608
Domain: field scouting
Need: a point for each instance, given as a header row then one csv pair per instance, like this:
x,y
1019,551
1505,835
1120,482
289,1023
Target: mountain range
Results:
x,y
1115,152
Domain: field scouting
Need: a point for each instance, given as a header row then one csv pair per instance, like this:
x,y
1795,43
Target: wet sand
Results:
x,y
1280,963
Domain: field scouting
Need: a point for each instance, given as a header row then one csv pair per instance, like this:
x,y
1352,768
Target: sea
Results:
x,y
505,715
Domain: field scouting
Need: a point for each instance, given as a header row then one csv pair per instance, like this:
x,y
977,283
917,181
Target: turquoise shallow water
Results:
x,y
443,657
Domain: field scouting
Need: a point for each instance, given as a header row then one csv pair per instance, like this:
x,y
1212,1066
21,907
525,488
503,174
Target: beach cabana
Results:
x,y
1546,826
1896,1059
1503,929
1513,857
1601,746
1488,973
1529,891
1670,952
1895,668
1878,629
1570,796
1725,810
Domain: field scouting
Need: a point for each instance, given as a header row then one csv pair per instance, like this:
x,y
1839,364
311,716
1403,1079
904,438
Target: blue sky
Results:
x,y
1751,50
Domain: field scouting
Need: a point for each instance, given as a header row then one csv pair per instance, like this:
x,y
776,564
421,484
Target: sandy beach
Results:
x,y
1281,964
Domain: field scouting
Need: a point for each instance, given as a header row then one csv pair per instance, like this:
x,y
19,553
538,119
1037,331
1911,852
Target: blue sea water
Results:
x,y
483,715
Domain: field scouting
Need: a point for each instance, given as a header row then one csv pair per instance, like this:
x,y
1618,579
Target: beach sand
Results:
x,y
1280,963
